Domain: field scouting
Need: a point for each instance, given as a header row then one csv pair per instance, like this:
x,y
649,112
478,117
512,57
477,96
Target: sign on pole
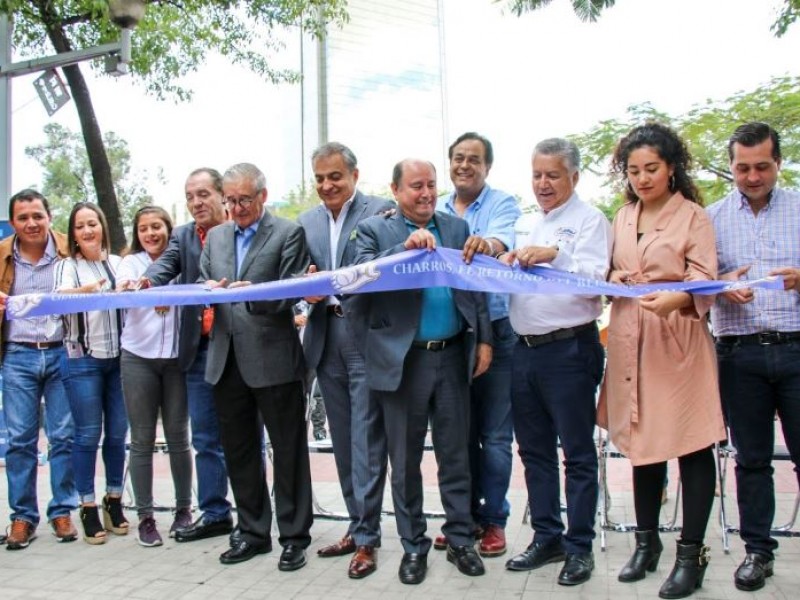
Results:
x,y
51,90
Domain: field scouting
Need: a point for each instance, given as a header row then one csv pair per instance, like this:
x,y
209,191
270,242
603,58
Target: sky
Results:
x,y
516,80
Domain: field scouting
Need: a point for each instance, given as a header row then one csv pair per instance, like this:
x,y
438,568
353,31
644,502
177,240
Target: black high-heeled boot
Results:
x,y
687,574
645,557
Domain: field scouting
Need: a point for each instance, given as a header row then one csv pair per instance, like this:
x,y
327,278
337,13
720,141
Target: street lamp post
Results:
x,y
124,13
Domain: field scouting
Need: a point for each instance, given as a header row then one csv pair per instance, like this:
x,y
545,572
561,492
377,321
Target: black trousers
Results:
x,y
282,408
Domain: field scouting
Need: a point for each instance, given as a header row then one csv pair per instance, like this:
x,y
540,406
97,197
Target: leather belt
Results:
x,y
40,345
533,341
335,309
437,345
764,338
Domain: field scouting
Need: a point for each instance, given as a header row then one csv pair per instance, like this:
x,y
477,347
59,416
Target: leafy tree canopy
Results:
x,y
175,38
67,178
706,129
590,10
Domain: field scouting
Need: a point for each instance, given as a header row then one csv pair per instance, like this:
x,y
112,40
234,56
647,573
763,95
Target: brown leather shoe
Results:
x,y
20,535
493,542
346,545
364,563
63,529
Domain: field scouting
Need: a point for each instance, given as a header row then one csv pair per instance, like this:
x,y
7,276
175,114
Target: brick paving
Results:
x,y
123,569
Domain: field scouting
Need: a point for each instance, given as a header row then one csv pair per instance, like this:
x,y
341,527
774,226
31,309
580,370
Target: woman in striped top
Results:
x,y
91,371
153,382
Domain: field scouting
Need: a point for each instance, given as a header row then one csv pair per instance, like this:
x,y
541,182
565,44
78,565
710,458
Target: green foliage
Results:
x,y
175,38
67,178
788,15
589,10
586,10
706,129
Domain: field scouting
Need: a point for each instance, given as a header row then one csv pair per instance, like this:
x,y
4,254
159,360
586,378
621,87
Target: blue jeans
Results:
x,y
27,375
492,432
212,476
94,390
553,389
756,382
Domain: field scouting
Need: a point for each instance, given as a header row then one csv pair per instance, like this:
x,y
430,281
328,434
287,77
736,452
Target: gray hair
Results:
x,y
563,148
247,171
333,148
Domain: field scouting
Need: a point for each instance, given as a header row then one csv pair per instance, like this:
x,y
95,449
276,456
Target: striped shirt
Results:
x,y
34,279
148,332
94,333
766,241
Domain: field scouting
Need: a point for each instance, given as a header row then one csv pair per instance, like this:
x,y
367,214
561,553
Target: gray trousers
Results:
x,y
150,385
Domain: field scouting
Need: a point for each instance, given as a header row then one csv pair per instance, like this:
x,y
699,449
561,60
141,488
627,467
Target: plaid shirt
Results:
x,y
767,241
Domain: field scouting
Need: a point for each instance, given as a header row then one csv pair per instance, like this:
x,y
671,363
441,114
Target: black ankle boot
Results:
x,y
687,574
645,557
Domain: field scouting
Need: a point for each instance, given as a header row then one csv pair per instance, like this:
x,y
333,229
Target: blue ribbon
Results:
x,y
408,270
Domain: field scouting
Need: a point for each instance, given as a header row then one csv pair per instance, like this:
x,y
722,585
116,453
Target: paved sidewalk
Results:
x,y
123,569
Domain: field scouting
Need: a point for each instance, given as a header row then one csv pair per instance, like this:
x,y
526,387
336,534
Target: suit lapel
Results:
x,y
351,219
259,239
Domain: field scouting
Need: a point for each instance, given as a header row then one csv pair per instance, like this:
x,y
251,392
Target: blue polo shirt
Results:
x,y
440,318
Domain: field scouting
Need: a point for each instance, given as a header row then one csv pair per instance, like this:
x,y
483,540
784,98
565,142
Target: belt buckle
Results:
x,y
767,338
42,345
435,345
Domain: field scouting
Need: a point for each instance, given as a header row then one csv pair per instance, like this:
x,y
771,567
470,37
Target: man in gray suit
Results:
x,y
422,348
255,363
181,260
330,349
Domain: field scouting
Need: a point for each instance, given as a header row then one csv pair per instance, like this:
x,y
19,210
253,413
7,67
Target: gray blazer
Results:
x,y
315,224
181,260
262,333
388,321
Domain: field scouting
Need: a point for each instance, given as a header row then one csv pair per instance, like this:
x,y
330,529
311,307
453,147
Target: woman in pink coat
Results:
x,y
660,398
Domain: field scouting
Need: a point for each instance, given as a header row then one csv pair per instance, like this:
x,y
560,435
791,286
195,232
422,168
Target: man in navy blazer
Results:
x,y
181,262
330,350
422,348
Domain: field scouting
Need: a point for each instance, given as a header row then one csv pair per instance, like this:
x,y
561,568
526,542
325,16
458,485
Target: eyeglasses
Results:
x,y
242,201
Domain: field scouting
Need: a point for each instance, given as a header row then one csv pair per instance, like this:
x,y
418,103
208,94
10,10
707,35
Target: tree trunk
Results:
x,y
95,149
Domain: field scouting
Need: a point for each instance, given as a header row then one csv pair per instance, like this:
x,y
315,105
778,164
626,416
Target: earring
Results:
x,y
672,182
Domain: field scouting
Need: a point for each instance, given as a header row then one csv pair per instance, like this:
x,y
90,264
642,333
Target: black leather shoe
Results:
x,y
292,558
243,551
466,559
537,555
413,568
752,572
202,529
577,569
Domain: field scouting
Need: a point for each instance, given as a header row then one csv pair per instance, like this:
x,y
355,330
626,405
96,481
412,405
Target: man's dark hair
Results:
x,y
27,195
488,153
752,134
216,177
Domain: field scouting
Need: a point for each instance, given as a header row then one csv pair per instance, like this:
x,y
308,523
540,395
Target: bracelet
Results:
x,y
497,255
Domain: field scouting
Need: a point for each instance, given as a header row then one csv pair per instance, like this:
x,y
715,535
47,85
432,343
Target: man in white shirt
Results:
x,y
557,366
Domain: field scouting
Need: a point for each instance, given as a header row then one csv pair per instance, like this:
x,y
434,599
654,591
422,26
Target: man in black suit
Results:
x,y
181,262
422,348
330,350
255,363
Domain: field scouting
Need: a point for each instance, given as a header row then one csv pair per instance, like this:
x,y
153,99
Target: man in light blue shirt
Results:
x,y
491,214
758,334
